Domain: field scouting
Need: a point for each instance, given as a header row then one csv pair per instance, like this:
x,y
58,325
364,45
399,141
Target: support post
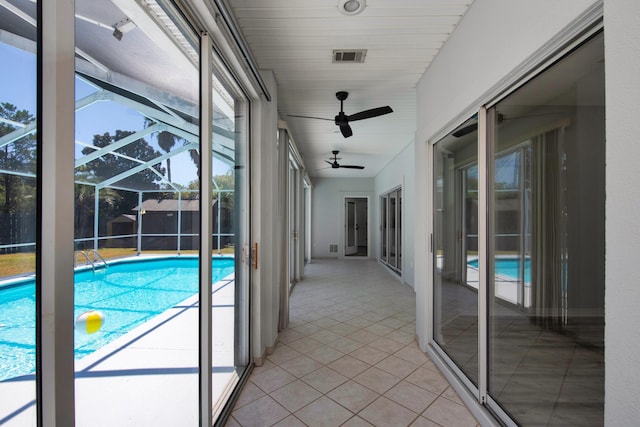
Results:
x,y
206,110
54,268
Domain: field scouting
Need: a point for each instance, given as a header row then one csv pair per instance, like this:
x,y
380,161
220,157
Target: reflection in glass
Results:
x,y
18,213
229,310
546,323
136,192
455,214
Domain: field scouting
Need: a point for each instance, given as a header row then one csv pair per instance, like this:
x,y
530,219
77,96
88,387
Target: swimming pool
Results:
x,y
509,267
128,293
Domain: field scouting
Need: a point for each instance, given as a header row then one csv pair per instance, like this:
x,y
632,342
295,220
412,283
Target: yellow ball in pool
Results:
x,y
90,321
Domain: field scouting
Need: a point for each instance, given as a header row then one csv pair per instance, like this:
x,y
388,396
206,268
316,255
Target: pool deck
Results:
x,y
146,377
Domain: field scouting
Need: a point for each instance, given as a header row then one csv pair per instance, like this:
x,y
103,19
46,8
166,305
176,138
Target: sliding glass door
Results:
x,y
546,295
533,260
455,285
391,229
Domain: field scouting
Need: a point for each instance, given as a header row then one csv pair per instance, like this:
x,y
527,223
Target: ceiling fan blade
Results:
x,y
367,114
346,130
328,162
351,167
309,117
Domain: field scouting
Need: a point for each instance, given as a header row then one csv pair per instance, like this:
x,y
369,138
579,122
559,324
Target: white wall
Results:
x,y
328,212
266,223
622,292
398,173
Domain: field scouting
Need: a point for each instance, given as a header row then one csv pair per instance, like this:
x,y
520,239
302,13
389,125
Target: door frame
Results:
x,y
343,227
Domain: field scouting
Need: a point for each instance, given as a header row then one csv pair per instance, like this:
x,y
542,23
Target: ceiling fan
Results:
x,y
342,120
336,165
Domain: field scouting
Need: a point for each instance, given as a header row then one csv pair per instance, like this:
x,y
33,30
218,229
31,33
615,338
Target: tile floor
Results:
x,y
349,357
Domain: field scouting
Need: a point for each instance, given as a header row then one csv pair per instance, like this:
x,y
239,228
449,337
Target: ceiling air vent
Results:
x,y
350,56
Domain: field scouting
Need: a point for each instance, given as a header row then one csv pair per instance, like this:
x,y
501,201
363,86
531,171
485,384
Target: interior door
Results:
x,y
351,235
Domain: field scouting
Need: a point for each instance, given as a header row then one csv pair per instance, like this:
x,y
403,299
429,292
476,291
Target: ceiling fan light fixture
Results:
x,y
351,7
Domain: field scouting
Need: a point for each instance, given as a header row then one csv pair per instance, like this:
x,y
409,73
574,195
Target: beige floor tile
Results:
x,y
289,335
282,353
262,412
290,421
266,365
349,366
324,379
428,380
325,336
396,366
325,354
353,396
301,366
359,322
326,322
449,414
411,353
369,354
451,394
385,412
295,395
356,422
231,422
345,345
393,322
323,413
344,329
249,393
342,316
377,380
363,336
423,422
305,345
411,396
401,337
306,329
387,345
272,379
378,329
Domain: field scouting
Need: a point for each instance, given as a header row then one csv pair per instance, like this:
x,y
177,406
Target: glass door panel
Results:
x,y
18,213
399,231
384,256
136,147
393,206
455,301
546,312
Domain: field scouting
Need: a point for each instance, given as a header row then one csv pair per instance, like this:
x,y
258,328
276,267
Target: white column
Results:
x,y
56,113
206,228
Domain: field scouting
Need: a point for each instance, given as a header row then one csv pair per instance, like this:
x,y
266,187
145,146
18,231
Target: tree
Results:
x,y
168,140
18,192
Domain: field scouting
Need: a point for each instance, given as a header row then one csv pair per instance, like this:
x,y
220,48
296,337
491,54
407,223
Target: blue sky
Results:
x,y
18,87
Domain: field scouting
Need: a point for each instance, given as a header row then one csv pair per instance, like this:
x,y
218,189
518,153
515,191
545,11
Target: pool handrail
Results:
x,y
92,262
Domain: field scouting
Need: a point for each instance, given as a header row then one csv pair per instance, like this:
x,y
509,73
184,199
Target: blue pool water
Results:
x,y
509,267
127,293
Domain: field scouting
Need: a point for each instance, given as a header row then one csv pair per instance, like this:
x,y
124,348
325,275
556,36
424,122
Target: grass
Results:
x,y
25,262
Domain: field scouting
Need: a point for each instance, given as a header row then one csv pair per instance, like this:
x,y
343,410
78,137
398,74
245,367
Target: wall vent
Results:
x,y
349,56
333,248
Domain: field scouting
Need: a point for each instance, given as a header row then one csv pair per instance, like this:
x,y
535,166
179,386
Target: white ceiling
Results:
x,y
296,38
